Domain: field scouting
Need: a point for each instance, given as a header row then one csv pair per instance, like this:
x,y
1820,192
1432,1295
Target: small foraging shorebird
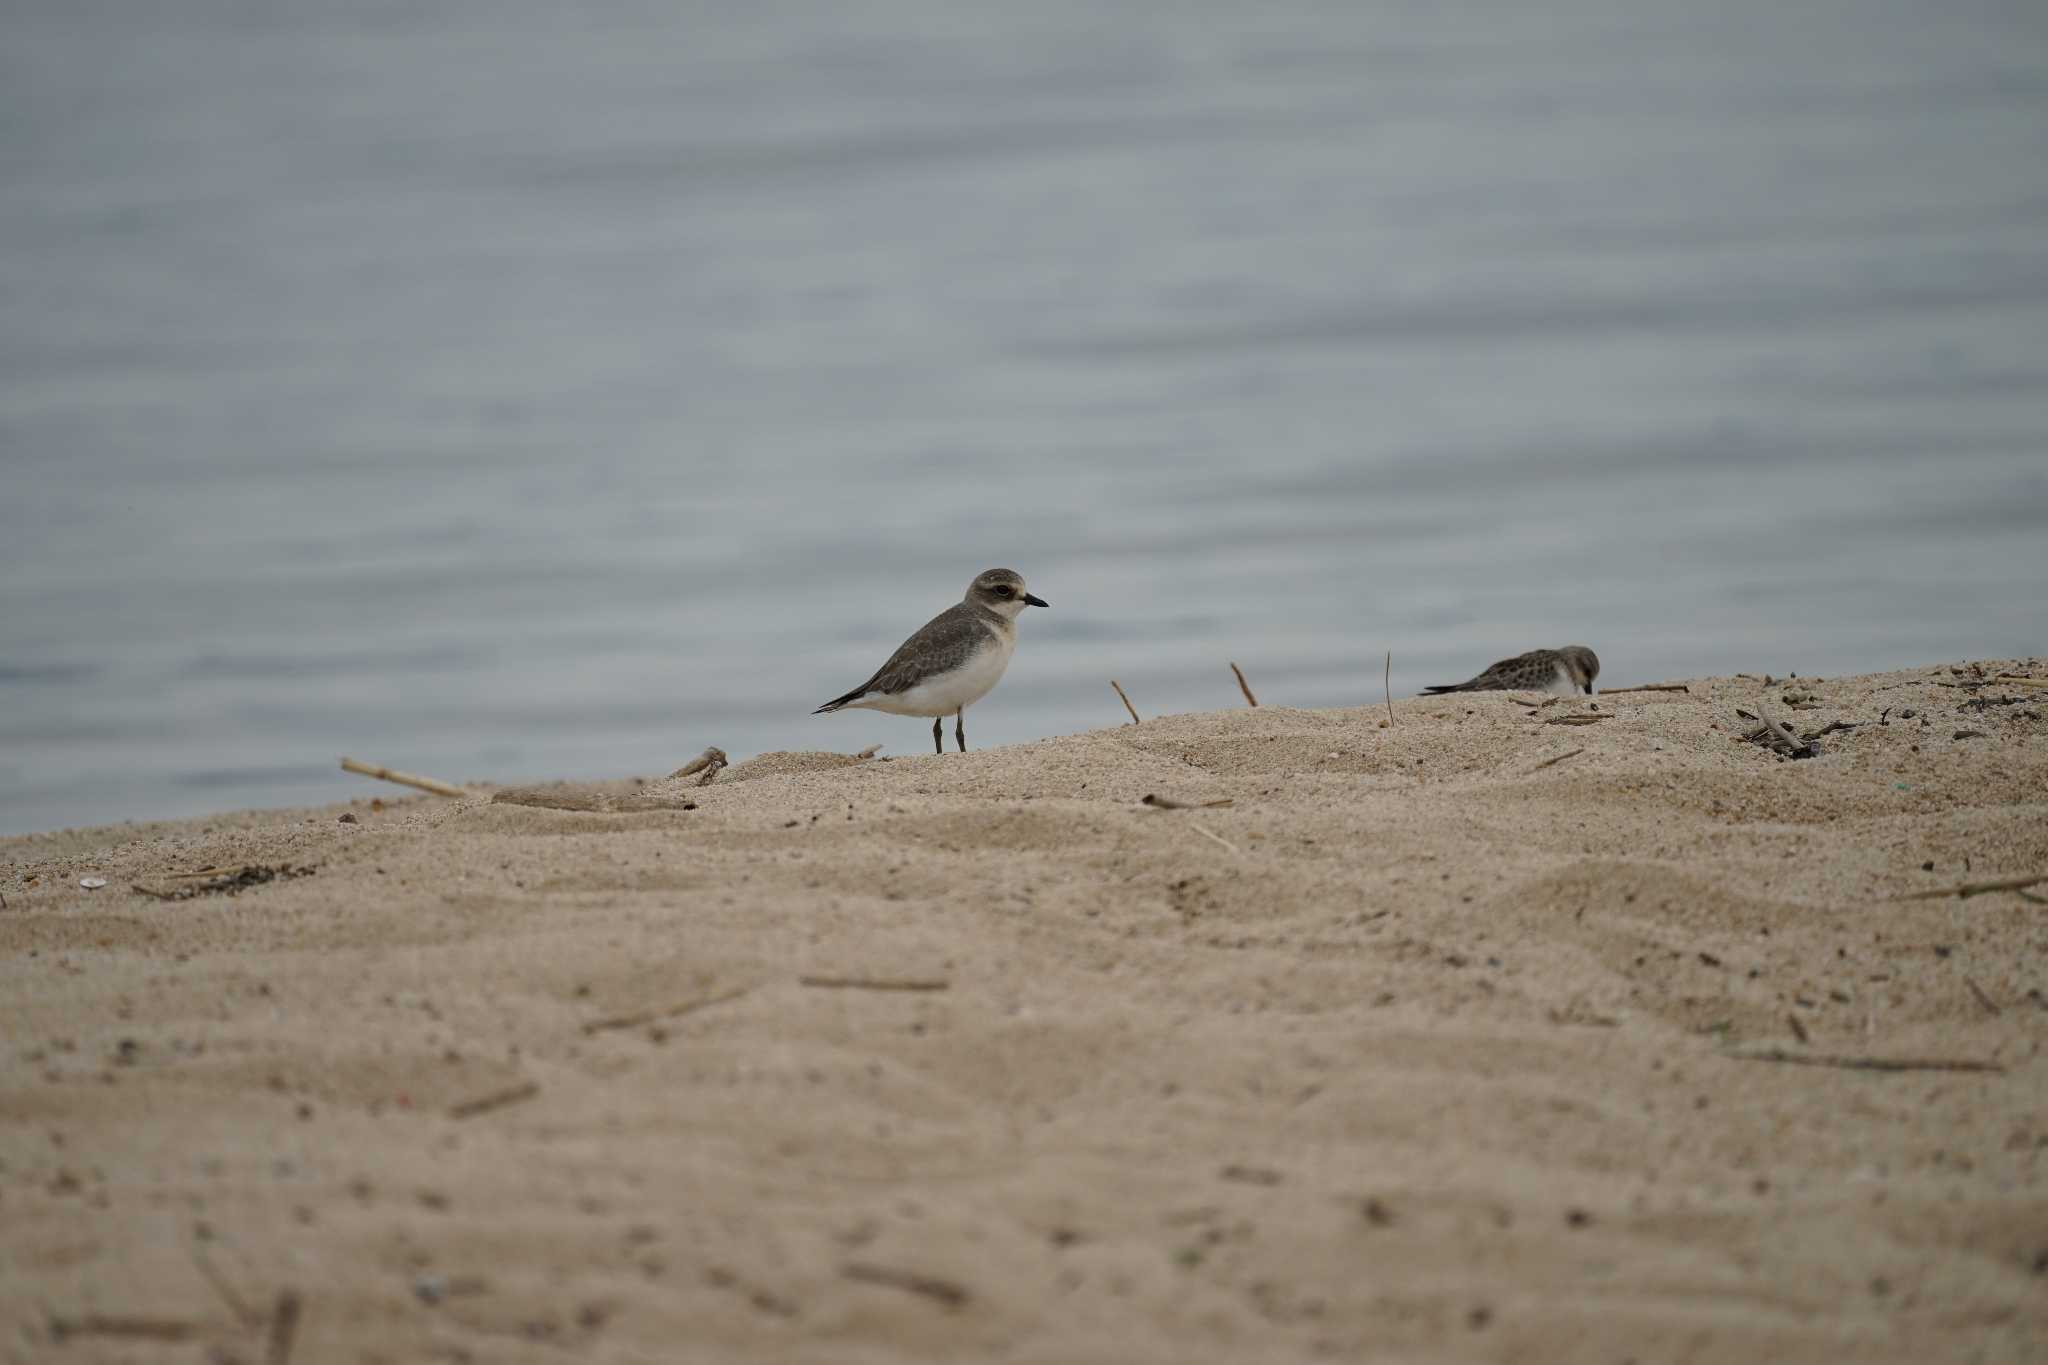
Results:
x,y
1565,672
952,662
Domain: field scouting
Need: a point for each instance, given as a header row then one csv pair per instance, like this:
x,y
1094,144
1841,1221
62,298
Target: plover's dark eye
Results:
x,y
1002,589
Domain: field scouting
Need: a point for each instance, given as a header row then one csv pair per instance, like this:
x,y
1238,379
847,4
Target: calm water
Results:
x,y
507,389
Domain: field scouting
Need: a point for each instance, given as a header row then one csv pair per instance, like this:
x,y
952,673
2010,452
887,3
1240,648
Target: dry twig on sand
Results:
x,y
1583,718
1778,737
425,784
1387,687
708,763
2018,681
1778,1054
881,983
1212,834
228,882
1574,753
497,1099
1158,802
947,1292
1969,889
237,1305
666,1012
1126,700
1244,686
1647,687
284,1328
582,799
121,1325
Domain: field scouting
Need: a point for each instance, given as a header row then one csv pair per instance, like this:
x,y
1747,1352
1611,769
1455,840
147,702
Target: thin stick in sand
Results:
x,y
133,1328
1387,686
1158,802
1574,753
708,763
1244,686
942,1291
1969,889
425,784
497,1099
667,1012
1211,834
1647,687
1126,700
2022,682
1778,1054
882,983
284,1328
247,1315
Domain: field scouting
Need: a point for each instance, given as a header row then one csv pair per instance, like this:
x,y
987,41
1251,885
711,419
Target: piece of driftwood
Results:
x,y
132,1328
284,1328
585,799
1647,687
1583,718
943,1291
231,882
1778,1054
1126,700
875,983
1969,889
1244,686
702,1002
707,763
497,1099
1158,802
425,784
2017,681
1212,834
1779,737
1551,762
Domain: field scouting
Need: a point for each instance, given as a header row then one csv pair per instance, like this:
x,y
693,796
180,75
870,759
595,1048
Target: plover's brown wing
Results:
x,y
941,645
1532,671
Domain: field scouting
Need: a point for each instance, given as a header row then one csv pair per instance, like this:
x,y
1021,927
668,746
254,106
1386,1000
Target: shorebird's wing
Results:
x,y
943,644
1531,670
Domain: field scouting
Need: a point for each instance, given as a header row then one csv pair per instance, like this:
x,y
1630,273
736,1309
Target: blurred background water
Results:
x,y
507,390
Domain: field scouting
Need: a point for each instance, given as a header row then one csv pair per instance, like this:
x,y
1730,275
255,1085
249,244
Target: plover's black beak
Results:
x,y
1033,601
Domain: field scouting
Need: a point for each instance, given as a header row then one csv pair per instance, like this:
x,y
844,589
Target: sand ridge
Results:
x,y
1429,1045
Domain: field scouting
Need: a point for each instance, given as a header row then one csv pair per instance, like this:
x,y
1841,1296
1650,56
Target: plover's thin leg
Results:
x,y
939,733
960,728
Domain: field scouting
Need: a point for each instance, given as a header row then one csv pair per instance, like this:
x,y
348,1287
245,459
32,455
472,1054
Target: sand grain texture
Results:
x,y
1419,1049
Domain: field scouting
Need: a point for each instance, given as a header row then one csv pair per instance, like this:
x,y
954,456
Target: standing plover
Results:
x,y
952,662
1566,672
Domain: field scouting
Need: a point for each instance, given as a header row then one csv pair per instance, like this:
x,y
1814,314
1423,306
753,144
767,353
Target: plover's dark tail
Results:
x,y
837,702
1448,687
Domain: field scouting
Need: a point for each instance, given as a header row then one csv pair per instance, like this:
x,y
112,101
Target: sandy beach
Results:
x,y
1492,1033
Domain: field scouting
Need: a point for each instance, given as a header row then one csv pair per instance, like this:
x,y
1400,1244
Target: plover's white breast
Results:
x,y
1561,684
942,694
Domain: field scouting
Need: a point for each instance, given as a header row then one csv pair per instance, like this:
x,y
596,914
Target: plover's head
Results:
x,y
1582,663
1002,591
